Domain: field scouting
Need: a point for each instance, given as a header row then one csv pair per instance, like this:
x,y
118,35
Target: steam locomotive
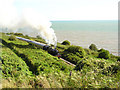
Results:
x,y
52,51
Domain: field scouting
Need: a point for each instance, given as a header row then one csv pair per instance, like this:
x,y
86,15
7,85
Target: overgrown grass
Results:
x,y
14,70
27,65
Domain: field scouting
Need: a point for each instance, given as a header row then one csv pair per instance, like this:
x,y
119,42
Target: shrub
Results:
x,y
116,68
19,34
72,58
76,50
104,54
10,33
112,68
74,54
66,42
114,58
93,47
81,64
101,50
12,38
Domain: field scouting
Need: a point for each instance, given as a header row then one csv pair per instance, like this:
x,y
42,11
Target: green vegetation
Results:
x,y
104,54
93,47
25,65
12,38
118,59
73,54
18,34
66,42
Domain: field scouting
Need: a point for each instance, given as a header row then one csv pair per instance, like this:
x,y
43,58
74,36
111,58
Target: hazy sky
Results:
x,y
72,9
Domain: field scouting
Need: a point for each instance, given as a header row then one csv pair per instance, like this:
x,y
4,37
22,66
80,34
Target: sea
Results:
x,y
102,33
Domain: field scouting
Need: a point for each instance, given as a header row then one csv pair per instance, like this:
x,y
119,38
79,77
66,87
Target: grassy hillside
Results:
x,y
25,65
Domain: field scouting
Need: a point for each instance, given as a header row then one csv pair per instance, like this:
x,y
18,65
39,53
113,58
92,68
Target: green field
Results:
x,y
25,65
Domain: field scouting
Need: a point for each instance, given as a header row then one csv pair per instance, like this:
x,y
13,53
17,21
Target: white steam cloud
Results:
x,y
29,22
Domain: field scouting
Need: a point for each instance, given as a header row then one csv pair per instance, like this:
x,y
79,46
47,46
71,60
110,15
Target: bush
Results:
x,y
12,38
114,58
10,33
81,64
72,58
101,50
112,68
74,54
19,34
66,42
93,47
76,50
104,54
116,68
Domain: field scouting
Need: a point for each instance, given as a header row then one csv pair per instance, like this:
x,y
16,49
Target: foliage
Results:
x,y
14,69
71,58
80,65
104,54
61,47
93,47
11,33
26,36
66,42
94,53
101,50
27,66
88,51
76,49
12,38
18,34
118,59
113,69
74,54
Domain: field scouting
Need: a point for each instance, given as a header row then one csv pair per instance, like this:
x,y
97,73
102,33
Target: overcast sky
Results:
x,y
72,9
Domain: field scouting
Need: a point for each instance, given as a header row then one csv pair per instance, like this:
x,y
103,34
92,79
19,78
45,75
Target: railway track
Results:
x,y
68,62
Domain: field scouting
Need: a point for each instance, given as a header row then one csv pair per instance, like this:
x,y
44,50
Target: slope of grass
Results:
x,y
14,69
27,65
38,61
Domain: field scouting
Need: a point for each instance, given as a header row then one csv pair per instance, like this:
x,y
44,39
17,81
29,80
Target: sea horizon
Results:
x,y
102,33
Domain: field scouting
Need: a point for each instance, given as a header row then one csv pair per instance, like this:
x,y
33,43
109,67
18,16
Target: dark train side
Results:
x,y
52,51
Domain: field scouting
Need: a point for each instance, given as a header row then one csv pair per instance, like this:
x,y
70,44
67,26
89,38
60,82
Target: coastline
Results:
x,y
84,39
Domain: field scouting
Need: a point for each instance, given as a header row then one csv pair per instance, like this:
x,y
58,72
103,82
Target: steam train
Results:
x,y
50,50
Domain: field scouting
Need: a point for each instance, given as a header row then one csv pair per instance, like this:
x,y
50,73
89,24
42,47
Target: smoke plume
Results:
x,y
29,22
